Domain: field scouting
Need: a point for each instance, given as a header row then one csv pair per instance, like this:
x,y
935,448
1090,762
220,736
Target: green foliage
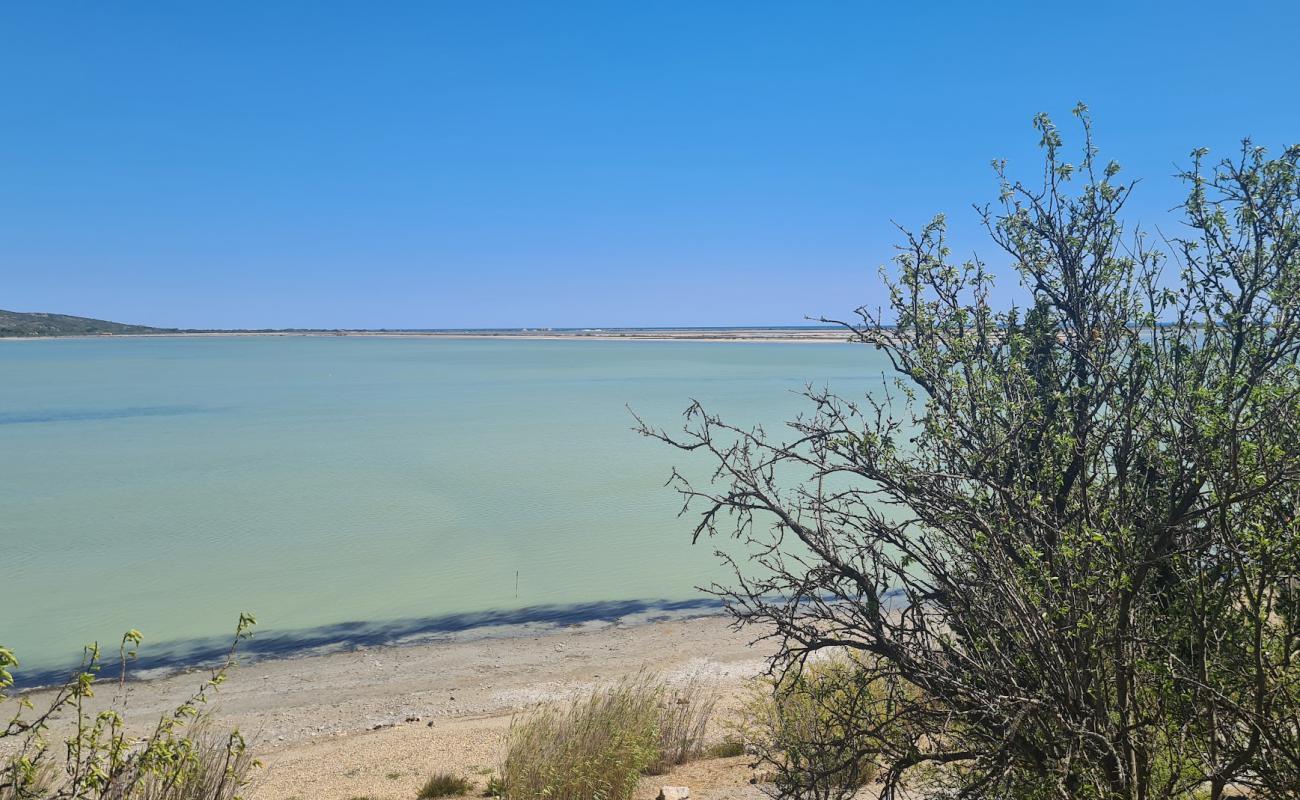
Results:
x,y
811,728
180,759
444,784
495,787
1066,536
205,765
598,747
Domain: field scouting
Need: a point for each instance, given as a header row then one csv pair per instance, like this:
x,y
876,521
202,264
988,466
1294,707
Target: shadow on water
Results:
x,y
344,636
95,415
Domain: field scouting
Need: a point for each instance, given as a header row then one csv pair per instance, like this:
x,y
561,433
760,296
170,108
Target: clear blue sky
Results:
x,y
437,164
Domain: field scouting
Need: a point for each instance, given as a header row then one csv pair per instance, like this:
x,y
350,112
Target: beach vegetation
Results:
x,y
495,787
445,784
211,765
598,746
1063,538
728,747
811,731
682,722
183,757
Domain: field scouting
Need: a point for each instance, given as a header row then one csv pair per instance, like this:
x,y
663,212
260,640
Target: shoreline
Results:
x,y
376,721
735,335
382,685
185,656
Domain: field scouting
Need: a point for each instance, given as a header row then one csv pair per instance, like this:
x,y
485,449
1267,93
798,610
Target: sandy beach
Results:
x,y
376,722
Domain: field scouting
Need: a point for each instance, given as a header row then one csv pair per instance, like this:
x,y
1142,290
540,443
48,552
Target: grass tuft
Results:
x,y
598,747
684,714
444,784
727,748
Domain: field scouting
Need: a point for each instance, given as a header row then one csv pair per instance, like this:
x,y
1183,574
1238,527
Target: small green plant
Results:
x,y
392,776
181,759
444,784
211,766
38,785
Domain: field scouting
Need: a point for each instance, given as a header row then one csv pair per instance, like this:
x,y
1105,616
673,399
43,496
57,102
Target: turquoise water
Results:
x,y
355,489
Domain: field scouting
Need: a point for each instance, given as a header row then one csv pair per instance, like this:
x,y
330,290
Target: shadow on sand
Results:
x,y
192,653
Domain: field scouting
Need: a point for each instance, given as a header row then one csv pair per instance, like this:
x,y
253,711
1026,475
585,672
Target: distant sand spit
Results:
x,y
749,335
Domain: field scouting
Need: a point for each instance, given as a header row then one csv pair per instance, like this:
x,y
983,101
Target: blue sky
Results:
x,y
435,164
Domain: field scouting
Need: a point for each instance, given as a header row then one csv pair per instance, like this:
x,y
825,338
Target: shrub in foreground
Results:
x,y
182,758
808,728
1072,521
211,766
598,747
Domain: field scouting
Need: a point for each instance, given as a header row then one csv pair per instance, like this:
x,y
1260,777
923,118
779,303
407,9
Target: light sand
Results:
x,y
377,722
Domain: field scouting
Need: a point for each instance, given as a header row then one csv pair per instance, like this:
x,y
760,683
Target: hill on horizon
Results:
x,y
24,324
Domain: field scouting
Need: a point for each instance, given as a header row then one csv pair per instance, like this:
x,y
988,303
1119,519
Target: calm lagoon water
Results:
x,y
355,490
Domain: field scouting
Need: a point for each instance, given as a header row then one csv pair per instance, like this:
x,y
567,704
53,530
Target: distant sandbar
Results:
x,y
794,334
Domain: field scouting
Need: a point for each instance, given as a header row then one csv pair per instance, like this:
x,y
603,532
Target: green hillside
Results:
x,y
17,323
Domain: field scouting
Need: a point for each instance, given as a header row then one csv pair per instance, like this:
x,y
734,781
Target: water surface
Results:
x,y
355,490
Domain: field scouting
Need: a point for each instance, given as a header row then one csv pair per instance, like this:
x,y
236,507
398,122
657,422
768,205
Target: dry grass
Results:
x,y
39,785
598,747
216,767
683,717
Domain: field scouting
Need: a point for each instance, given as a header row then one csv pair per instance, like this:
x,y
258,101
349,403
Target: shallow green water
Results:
x,y
168,484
